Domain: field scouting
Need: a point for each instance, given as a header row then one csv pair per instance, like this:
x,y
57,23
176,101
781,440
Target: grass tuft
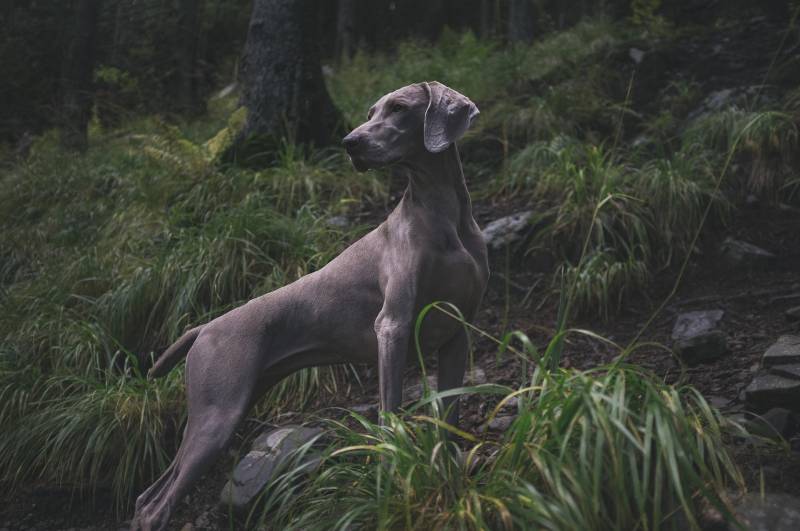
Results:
x,y
106,432
612,448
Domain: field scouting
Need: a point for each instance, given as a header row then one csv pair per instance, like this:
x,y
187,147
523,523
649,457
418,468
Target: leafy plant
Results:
x,y
612,448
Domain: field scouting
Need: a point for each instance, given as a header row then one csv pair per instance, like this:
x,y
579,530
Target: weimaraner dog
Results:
x,y
360,308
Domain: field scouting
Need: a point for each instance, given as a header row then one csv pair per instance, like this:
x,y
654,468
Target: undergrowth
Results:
x,y
109,256
610,448
106,257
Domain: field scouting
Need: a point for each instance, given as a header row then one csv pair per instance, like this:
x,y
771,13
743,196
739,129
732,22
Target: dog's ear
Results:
x,y
448,116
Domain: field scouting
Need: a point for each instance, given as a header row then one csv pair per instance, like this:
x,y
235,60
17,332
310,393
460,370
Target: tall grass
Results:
x,y
634,218
611,448
106,432
111,256
765,143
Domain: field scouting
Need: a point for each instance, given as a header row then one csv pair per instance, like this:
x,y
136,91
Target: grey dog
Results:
x,y
360,308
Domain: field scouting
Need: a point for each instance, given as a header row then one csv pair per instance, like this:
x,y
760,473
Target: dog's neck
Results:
x,y
436,182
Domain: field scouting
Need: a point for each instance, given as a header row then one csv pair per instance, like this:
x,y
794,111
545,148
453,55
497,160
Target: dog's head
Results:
x,y
402,124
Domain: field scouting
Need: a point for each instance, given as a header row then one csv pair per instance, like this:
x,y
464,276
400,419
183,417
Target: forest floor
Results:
x,y
754,302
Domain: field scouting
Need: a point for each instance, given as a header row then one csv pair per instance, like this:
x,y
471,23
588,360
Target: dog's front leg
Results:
x,y
393,338
393,330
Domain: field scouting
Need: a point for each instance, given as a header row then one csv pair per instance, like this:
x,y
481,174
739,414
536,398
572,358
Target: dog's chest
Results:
x,y
456,277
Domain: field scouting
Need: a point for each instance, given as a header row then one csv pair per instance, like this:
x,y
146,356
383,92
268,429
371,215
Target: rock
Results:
x,y
702,348
696,338
769,390
742,254
793,314
787,371
785,351
636,55
726,98
413,392
781,420
338,222
204,521
693,323
773,512
512,403
475,376
187,527
501,423
269,452
718,99
718,402
366,410
506,230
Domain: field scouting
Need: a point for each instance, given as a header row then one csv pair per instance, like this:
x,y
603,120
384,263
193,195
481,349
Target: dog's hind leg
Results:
x,y
202,444
452,364
155,490
213,417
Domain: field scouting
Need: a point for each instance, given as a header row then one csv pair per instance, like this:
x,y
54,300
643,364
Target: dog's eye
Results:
x,y
398,107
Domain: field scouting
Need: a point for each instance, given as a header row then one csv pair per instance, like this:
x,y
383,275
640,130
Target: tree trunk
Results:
x,y
188,99
345,28
283,88
486,25
520,21
77,77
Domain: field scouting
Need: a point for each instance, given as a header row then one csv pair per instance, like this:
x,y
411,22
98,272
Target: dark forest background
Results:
x,y
63,61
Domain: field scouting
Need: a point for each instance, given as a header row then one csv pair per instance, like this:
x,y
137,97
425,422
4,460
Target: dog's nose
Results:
x,y
350,141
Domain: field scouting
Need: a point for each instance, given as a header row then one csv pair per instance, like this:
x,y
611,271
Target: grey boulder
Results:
x,y
501,423
696,337
769,390
506,230
775,422
269,452
785,351
743,254
773,512
412,393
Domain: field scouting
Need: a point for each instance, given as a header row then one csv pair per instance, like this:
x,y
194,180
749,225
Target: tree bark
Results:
x,y
345,28
486,22
520,21
77,77
283,88
188,97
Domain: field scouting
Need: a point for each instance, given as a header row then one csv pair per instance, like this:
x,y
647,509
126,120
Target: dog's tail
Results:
x,y
174,354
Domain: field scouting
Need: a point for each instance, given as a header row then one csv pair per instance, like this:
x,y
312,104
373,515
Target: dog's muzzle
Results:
x,y
355,145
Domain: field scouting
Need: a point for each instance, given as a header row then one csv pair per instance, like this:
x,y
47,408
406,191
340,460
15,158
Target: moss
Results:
x,y
220,143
